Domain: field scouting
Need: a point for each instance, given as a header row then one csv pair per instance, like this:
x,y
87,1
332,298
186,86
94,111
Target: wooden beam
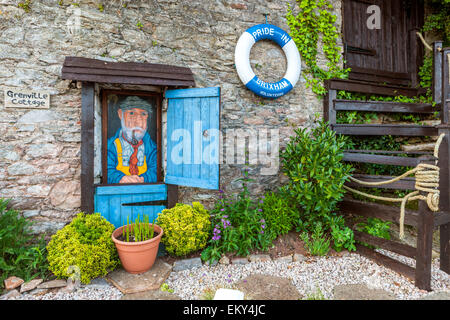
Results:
x,y
87,147
400,248
437,71
385,129
379,159
384,106
424,247
386,261
370,88
172,195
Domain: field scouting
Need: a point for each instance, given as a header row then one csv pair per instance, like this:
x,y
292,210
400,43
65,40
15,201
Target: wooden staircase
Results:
x,y
423,219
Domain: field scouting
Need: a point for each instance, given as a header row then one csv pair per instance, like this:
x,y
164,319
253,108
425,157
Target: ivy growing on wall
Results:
x,y
313,24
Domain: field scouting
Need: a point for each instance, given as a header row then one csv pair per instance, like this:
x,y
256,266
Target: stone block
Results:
x,y
133,283
187,264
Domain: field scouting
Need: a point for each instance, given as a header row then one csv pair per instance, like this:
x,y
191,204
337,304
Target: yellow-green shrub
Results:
x,y
186,228
86,244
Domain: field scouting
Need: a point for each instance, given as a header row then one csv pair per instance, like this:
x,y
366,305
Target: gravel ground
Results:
x,y
316,273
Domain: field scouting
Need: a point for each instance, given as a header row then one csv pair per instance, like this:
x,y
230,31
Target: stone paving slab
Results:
x,y
445,295
133,283
187,264
151,295
360,292
266,287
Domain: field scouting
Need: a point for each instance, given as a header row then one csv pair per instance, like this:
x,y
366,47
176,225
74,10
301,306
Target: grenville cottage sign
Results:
x,y
23,98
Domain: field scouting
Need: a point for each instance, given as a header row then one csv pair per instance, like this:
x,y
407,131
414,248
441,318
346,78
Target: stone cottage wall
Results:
x,y
40,149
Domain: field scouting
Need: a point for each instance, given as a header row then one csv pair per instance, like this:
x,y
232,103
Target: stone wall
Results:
x,y
40,149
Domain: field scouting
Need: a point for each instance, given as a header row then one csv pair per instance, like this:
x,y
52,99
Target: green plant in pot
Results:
x,y
137,244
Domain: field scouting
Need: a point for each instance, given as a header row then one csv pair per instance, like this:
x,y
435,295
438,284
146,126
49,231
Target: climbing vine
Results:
x,y
314,24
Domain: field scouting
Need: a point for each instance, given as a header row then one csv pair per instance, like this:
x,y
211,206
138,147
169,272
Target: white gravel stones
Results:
x,y
315,273
308,276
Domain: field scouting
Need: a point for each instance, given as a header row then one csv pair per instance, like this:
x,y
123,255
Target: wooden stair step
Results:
x,y
385,129
384,106
381,159
371,88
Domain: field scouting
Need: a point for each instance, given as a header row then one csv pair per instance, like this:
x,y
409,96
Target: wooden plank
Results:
x,y
444,200
131,188
87,147
378,79
390,152
385,129
424,247
330,113
193,93
400,248
380,106
375,210
388,262
127,73
382,73
370,88
379,159
126,80
136,66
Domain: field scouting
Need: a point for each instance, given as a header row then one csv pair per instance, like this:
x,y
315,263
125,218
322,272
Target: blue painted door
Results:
x,y
116,203
193,137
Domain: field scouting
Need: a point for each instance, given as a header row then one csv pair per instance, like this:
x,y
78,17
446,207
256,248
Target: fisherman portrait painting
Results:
x,y
132,154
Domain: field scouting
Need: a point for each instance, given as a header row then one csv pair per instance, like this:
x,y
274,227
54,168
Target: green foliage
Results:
x,y
238,226
342,235
85,243
375,227
138,231
18,255
139,25
313,163
318,245
315,21
279,214
25,5
186,228
426,71
439,20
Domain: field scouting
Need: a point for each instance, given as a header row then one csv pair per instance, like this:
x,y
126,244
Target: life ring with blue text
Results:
x,y
242,60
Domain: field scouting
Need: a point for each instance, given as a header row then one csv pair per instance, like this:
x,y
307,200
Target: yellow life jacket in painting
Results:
x,y
120,165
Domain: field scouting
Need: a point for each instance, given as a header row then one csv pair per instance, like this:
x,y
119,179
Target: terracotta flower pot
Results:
x,y
137,257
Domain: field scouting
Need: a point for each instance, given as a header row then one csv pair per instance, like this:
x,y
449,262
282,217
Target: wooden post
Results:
x,y
172,195
437,72
444,164
413,56
329,111
425,227
87,147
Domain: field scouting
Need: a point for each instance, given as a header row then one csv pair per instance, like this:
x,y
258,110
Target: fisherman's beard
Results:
x,y
128,132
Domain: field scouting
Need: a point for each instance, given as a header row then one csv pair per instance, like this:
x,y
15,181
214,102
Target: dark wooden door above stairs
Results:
x,y
388,54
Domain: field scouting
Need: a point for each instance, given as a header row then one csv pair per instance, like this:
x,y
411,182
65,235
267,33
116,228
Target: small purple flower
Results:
x,y
225,216
262,220
263,226
261,201
221,191
222,209
260,210
262,232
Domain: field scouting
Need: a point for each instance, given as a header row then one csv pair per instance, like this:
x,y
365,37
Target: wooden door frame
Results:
x,y
87,148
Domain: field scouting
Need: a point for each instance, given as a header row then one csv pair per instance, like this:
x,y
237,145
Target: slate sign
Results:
x,y
24,98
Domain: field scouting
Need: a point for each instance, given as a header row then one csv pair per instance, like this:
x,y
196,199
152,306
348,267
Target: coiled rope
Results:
x,y
426,180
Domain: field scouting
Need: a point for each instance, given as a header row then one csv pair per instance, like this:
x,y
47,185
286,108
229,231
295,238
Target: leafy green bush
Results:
x,y
86,244
279,214
313,163
238,226
318,245
375,227
18,255
186,228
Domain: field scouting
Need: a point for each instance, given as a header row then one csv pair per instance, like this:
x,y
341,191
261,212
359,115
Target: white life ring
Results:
x,y
245,72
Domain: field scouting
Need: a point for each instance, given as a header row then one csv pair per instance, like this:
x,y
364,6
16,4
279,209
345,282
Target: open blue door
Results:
x,y
193,137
